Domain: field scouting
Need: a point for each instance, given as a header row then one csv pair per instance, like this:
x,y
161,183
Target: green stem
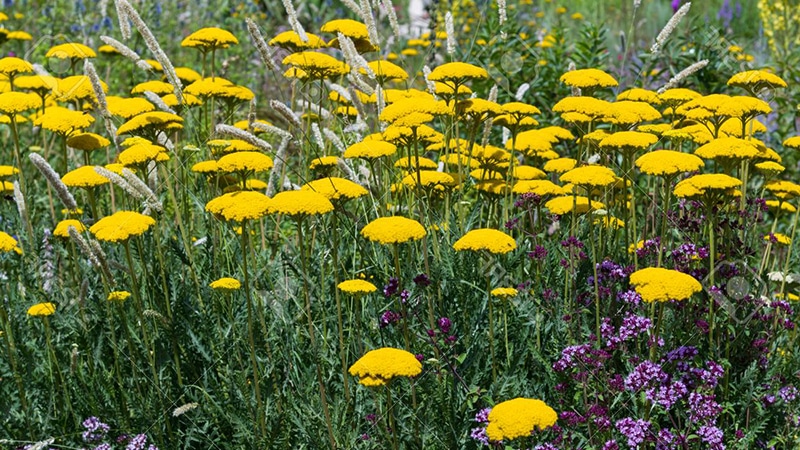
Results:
x,y
262,426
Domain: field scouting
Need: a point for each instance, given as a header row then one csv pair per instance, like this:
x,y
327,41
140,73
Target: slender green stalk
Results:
x,y
260,419
311,335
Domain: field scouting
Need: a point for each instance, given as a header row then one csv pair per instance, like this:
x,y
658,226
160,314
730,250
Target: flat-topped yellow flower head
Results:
x,y
290,40
588,79
121,226
70,50
592,176
519,418
8,244
225,284
42,309
239,206
489,239
209,38
656,284
334,188
668,163
393,230
300,204
702,184
357,286
13,103
378,367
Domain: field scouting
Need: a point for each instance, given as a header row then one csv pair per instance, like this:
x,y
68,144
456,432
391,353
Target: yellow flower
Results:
x,y
610,222
705,183
678,96
13,103
209,87
624,140
429,179
154,86
656,284
628,113
489,239
593,176
187,75
19,35
62,228
411,163
317,65
385,71
11,65
238,145
728,150
668,163
640,95
786,189
323,162
370,149
519,418
7,171
524,172
404,107
118,296
226,284
239,206
756,80
70,50
393,230
291,40
157,120
504,292
588,106
588,79
792,142
299,203
348,27
777,205
8,244
244,162
564,205
37,83
84,176
334,188
457,72
538,187
42,309
140,154
74,88
778,238
378,367
560,165
87,141
356,286
121,226
128,107
63,121
210,38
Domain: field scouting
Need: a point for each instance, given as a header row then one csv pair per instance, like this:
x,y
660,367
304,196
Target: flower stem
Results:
x,y
262,426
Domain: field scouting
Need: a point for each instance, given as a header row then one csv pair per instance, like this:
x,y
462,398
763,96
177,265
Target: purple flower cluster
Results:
x,y
479,433
539,253
388,318
632,326
583,355
712,436
634,430
391,287
95,430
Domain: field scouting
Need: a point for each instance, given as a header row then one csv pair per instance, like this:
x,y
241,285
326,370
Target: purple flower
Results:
x,y
643,375
788,394
703,408
479,434
539,253
137,443
422,280
634,430
611,445
388,318
711,436
391,288
95,429
444,324
483,415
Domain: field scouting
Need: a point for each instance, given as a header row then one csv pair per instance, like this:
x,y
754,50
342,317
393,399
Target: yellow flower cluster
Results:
x,y
239,206
393,230
656,284
489,239
378,367
226,284
356,286
519,418
121,226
